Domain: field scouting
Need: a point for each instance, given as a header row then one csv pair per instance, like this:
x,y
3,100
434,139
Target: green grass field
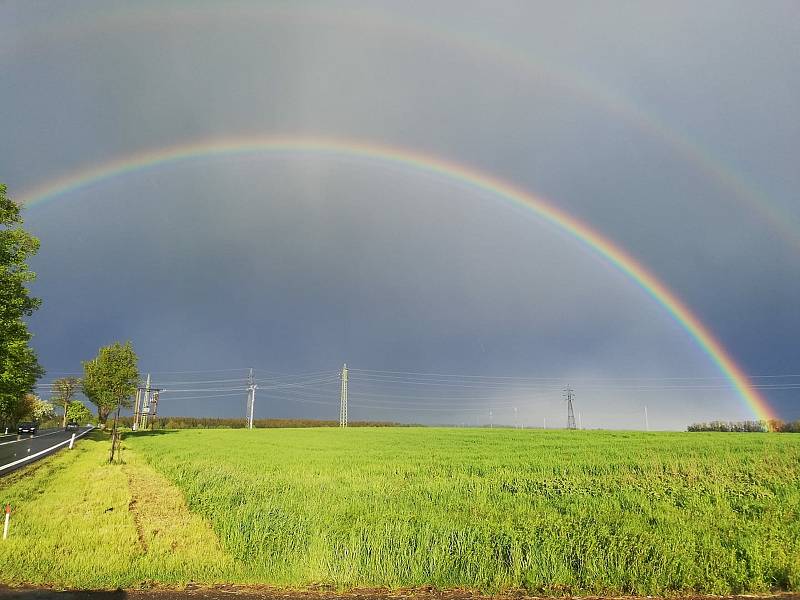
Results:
x,y
495,510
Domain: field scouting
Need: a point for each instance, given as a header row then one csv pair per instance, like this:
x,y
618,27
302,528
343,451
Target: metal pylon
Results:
x,y
569,396
343,398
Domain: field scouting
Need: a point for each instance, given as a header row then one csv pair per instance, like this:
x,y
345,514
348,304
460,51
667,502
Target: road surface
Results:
x,y
19,450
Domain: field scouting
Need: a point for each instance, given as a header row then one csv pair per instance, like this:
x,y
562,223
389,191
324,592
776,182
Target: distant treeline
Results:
x,y
215,423
748,426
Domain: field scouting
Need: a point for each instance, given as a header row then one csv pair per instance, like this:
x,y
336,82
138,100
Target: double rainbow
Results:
x,y
473,45
452,171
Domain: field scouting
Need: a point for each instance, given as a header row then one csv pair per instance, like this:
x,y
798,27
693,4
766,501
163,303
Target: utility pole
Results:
x,y
137,406
154,405
114,435
247,405
343,398
569,396
646,420
251,398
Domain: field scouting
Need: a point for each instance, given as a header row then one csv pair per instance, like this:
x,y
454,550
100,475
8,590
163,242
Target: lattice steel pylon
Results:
x,y
343,398
569,396
145,410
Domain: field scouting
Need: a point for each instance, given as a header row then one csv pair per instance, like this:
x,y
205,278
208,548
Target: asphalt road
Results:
x,y
19,450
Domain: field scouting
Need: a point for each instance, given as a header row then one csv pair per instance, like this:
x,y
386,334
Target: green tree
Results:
x,y
33,408
19,366
64,390
78,412
23,408
110,379
42,410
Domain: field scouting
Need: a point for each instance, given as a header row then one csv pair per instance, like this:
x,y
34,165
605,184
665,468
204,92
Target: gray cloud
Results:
x,y
299,263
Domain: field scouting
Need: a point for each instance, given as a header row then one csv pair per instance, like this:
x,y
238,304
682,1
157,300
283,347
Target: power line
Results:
x,y
527,378
195,381
172,399
199,371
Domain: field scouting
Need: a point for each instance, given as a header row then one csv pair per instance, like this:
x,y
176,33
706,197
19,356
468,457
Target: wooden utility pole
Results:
x,y
114,433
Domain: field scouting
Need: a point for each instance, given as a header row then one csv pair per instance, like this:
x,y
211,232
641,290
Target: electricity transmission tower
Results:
x,y
251,399
569,396
146,407
343,398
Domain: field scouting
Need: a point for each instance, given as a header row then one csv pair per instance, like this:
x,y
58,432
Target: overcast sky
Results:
x,y
671,128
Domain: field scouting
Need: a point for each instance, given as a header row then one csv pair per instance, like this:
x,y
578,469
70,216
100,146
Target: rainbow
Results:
x,y
431,165
473,44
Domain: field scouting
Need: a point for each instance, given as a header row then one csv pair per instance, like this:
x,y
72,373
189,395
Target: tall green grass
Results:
x,y
547,512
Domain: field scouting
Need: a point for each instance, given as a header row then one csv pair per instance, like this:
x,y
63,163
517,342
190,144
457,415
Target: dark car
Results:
x,y
71,426
27,427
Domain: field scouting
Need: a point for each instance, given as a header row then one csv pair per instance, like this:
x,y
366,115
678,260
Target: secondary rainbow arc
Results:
x,y
469,176
581,85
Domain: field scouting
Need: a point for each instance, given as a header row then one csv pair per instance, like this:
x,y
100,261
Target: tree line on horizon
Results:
x,y
109,382
773,425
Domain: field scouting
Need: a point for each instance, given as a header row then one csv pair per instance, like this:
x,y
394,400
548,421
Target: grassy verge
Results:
x,y
493,510
79,522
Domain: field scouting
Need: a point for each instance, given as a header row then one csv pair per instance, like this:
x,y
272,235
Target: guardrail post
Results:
x,y
72,441
8,516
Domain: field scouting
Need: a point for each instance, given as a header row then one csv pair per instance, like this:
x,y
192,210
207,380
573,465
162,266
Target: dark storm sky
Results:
x,y
672,129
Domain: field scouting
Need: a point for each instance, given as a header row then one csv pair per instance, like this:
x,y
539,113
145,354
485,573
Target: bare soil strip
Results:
x,y
265,593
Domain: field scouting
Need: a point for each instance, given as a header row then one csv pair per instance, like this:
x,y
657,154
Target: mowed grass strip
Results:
x,y
79,522
496,510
